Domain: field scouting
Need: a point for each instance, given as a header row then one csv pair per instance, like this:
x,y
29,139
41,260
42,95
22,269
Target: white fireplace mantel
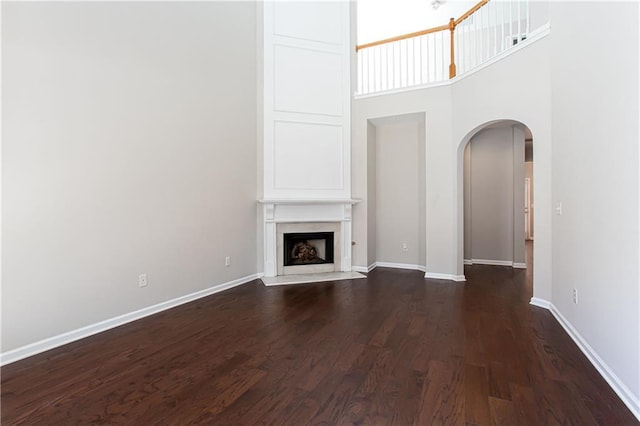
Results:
x,y
277,211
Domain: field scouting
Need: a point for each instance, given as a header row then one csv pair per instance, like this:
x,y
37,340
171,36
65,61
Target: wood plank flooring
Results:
x,y
392,349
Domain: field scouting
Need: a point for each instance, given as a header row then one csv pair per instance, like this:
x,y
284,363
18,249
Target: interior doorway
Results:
x,y
498,192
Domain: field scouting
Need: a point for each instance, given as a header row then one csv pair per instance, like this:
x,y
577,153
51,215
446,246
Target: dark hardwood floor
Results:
x,y
392,349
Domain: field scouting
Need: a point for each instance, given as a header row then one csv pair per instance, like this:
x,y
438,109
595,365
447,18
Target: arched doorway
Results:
x,y
495,189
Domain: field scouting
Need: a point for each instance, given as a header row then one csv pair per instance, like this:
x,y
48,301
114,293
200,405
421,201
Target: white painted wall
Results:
x,y
129,146
307,100
594,85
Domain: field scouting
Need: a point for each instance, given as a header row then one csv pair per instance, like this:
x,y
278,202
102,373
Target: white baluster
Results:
x,y
519,22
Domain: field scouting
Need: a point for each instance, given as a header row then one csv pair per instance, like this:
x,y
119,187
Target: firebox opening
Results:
x,y
309,248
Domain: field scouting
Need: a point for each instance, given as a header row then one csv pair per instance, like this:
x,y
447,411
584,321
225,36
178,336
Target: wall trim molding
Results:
x,y
364,269
541,303
409,266
491,262
516,265
450,277
89,330
624,393
630,400
401,266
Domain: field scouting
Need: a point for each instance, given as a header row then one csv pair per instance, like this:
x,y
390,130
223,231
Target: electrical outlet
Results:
x,y
405,247
575,296
142,280
227,261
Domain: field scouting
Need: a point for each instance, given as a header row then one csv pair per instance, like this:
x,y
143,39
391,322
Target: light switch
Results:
x,y
559,209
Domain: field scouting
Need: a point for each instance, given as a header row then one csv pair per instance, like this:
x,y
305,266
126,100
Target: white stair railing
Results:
x,y
427,57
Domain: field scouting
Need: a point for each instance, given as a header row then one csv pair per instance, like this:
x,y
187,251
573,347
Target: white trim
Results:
x,y
492,262
450,277
303,201
534,36
541,303
467,262
364,269
519,265
630,400
537,34
357,96
401,266
311,278
89,330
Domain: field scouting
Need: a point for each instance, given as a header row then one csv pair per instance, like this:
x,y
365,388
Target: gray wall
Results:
x,y
528,172
494,193
519,236
129,147
433,106
399,196
594,82
372,173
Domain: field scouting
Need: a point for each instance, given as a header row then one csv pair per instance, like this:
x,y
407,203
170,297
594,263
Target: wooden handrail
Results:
x,y
427,31
451,26
470,11
403,37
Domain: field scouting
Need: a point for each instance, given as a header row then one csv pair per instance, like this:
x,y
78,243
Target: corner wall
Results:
x,y
434,105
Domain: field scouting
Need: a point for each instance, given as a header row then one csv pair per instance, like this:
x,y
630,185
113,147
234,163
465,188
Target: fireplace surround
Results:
x,y
282,217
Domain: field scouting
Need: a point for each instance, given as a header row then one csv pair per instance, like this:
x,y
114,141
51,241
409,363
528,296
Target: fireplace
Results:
x,y
325,224
308,248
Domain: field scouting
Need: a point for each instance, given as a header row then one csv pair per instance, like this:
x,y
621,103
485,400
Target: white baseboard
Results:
x,y
628,398
541,303
491,262
517,265
364,269
450,277
80,333
401,266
